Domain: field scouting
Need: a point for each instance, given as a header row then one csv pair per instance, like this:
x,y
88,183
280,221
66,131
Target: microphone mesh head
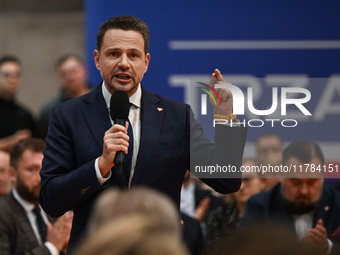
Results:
x,y
119,105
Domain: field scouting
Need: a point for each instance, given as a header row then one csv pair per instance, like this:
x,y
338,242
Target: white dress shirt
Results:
x,y
28,207
135,120
304,222
187,205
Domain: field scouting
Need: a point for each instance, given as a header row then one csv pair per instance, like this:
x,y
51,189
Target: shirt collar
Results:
x,y
135,99
26,205
191,187
305,216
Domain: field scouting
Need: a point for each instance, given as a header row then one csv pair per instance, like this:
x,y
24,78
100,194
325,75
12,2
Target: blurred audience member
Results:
x,y
268,145
16,122
24,227
132,234
301,201
251,185
72,77
192,234
4,177
114,203
197,202
224,220
269,148
262,239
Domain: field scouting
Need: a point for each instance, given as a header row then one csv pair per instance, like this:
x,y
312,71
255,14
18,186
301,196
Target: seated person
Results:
x,y
224,220
301,201
197,202
114,203
24,226
133,234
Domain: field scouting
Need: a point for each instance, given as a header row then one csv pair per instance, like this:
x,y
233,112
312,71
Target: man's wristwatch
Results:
x,y
225,117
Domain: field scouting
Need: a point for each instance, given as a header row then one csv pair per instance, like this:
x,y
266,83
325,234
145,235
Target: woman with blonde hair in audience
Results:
x,y
114,203
134,234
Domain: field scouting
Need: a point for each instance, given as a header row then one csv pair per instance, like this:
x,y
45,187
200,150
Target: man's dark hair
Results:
x,y
304,151
9,58
125,23
33,144
63,58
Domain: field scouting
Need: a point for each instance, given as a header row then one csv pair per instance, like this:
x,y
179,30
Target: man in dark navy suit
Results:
x,y
301,201
82,142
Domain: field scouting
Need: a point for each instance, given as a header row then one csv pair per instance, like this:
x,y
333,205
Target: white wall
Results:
x,y
38,39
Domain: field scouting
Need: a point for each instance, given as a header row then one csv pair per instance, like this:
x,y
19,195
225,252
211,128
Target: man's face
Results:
x,y
72,75
302,194
10,74
26,177
251,184
4,177
122,61
269,146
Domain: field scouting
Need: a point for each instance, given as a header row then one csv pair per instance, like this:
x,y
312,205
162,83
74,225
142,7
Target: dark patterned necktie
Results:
x,y
42,227
128,156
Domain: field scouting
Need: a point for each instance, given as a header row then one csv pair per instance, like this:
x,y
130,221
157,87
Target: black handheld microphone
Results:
x,y
119,112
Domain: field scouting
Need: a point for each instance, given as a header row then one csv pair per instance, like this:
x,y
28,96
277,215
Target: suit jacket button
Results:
x,y
83,191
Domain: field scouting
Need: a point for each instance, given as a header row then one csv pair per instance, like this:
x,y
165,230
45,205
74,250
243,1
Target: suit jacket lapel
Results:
x,y
98,120
96,115
324,208
151,122
20,214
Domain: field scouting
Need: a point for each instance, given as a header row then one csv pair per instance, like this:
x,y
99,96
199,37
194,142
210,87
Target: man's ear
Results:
x,y
12,174
147,61
96,56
